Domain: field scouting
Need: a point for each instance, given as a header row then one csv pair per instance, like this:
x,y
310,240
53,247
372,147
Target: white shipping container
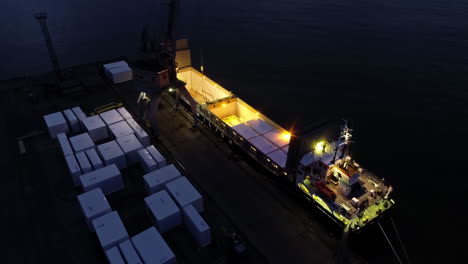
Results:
x,y
111,153
124,113
152,248
95,127
110,230
72,120
107,178
197,226
140,133
157,156
120,129
56,124
129,253
130,146
156,180
113,256
184,193
146,161
94,159
164,211
81,142
84,162
64,144
111,117
73,169
93,204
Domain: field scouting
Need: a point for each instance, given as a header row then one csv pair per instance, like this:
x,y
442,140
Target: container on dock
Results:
x,y
124,113
113,65
113,256
120,129
73,169
56,124
146,161
111,117
79,114
164,211
120,74
197,226
155,181
262,144
152,248
72,120
95,127
129,253
107,178
94,159
140,133
111,153
81,142
130,146
110,230
184,193
64,144
157,156
83,162
93,204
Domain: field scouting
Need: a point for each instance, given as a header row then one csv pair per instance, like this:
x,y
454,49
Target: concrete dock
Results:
x,y
43,220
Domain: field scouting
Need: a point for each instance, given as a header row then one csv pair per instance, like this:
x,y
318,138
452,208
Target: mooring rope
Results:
x,y
390,243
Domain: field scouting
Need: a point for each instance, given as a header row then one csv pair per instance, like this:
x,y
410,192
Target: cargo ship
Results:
x,y
315,159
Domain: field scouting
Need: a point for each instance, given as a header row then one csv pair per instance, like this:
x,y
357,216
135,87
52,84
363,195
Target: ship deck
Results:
x,y
44,221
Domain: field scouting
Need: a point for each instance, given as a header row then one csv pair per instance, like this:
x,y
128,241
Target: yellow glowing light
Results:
x,y
257,113
223,105
286,135
320,146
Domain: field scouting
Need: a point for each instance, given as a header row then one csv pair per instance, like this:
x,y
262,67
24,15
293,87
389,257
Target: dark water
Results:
x,y
398,69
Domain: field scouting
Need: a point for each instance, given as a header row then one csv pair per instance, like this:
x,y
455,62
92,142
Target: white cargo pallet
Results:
x,y
64,144
56,124
72,120
94,159
130,146
84,162
197,226
184,193
93,204
146,161
120,74
129,253
79,114
111,153
107,178
124,113
110,230
156,180
152,248
81,142
164,211
157,156
73,169
140,133
113,256
120,129
111,117
95,127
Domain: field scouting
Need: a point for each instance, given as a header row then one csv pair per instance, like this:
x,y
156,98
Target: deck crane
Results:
x,y
159,76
